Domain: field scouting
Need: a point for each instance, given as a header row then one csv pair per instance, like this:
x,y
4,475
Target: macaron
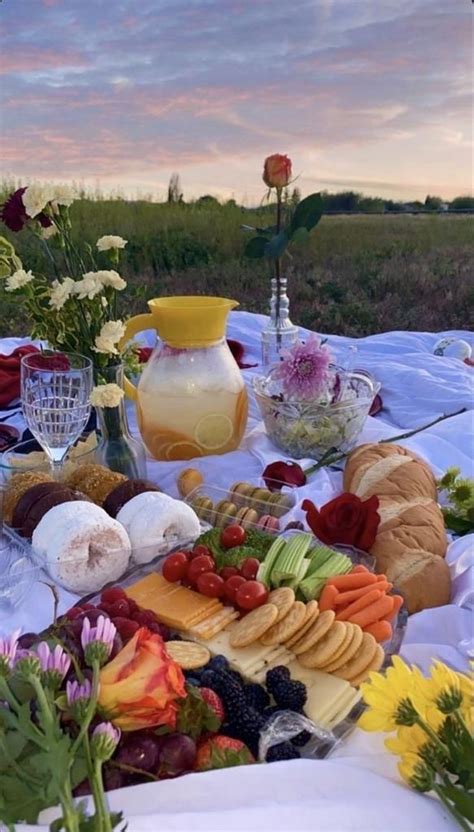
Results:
x,y
225,512
246,517
204,508
279,504
240,493
259,499
268,523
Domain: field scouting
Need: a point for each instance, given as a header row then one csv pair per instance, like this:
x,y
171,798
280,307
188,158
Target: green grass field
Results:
x,y
357,275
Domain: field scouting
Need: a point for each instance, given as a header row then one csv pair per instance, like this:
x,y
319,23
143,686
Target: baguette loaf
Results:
x,y
388,471
422,578
415,524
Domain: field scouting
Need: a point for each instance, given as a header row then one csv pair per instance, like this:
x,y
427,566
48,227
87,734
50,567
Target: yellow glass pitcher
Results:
x,y
191,398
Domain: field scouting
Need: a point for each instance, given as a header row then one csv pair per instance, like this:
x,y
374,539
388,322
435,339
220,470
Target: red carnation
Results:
x,y
13,212
347,519
278,474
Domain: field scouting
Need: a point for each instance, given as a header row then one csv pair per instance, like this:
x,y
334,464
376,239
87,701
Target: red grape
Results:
x,y
175,567
113,778
126,627
232,536
211,585
115,593
139,750
232,585
228,571
177,754
251,594
249,568
120,608
73,613
198,566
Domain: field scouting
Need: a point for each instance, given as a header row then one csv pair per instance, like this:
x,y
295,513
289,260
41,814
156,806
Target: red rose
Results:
x,y
277,171
376,405
347,519
144,354
278,474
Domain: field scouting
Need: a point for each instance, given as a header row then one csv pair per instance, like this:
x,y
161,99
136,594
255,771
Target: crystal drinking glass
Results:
x,y
55,397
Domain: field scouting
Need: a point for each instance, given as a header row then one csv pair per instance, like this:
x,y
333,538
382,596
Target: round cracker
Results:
x,y
283,598
317,630
188,654
360,661
312,612
253,625
343,656
373,665
287,627
325,647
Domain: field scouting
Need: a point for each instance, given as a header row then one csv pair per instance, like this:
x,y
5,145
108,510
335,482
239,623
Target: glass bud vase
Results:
x,y
279,334
117,448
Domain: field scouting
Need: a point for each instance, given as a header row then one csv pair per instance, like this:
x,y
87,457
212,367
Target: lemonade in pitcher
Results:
x,y
191,398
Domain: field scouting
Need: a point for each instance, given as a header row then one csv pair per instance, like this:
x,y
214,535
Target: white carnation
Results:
x,y
111,278
48,232
110,334
109,241
89,286
18,279
106,395
63,195
36,198
61,292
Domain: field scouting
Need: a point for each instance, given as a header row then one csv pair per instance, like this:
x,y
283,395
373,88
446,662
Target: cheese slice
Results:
x,y
146,589
283,659
239,657
345,710
325,693
272,657
174,605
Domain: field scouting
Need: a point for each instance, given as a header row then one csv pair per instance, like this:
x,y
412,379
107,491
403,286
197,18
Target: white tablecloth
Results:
x,y
358,788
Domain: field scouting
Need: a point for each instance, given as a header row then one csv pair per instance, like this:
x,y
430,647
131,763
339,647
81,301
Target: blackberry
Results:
x,y
246,726
256,697
230,691
282,751
275,676
235,676
218,663
301,739
290,695
270,711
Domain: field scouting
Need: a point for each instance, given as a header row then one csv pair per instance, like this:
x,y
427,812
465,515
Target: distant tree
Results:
x,y
175,193
295,196
371,205
344,201
231,203
462,202
433,203
394,207
207,199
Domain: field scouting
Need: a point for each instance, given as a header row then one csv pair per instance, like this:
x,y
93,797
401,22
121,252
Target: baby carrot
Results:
x,y
359,568
328,598
360,604
353,594
381,577
380,630
372,613
397,603
353,580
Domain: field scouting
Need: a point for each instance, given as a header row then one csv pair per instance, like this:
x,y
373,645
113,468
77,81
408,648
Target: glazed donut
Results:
x,y
156,523
81,547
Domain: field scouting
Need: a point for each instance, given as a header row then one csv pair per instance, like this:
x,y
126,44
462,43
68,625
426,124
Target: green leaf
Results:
x,y
195,716
300,236
463,801
255,248
276,246
457,524
308,213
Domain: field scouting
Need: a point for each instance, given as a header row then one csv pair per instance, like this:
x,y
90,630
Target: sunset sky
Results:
x,y
371,95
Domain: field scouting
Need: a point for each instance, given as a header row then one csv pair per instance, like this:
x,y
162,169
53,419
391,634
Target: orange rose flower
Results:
x,y
277,171
139,688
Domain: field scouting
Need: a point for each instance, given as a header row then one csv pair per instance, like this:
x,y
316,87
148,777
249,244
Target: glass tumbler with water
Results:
x,y
55,397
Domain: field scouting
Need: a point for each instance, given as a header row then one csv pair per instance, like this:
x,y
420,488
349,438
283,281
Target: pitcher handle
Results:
x,y
133,327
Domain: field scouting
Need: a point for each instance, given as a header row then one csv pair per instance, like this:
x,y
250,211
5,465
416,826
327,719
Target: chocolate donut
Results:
x,y
28,499
43,505
124,492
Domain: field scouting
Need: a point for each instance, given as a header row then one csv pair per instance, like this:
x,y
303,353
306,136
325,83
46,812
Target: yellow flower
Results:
x,y
408,740
389,697
415,772
444,685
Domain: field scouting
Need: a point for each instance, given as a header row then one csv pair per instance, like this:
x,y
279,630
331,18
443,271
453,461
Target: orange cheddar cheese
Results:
x,y
176,606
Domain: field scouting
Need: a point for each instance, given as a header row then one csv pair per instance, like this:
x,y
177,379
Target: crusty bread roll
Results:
x,y
388,470
414,524
423,578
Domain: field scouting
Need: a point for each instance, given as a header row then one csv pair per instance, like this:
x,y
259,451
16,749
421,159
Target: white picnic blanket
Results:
x,y
358,788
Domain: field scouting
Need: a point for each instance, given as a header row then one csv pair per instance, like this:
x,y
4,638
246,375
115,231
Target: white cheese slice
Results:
x,y
240,657
345,711
282,659
272,655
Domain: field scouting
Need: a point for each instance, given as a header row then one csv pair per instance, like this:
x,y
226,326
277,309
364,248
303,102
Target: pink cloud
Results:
x,y
35,60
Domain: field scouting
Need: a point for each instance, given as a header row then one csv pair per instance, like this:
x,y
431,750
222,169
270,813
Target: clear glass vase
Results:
x,y
280,333
117,448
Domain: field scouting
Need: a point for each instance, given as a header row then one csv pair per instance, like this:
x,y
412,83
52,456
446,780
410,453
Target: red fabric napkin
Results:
x,y
237,349
10,374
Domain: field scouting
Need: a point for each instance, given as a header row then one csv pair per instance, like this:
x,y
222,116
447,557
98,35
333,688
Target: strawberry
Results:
x,y
222,752
214,702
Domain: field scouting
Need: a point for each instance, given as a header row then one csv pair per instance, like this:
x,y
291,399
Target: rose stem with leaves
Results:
x,y
278,270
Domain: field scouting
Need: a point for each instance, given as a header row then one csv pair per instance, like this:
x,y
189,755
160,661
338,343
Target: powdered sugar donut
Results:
x,y
81,547
156,523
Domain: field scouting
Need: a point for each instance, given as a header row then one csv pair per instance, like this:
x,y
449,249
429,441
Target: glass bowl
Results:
x,y
29,457
312,429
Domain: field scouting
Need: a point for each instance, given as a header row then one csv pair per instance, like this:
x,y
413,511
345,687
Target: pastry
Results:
x,y
388,470
156,523
124,492
16,487
259,498
412,524
81,547
240,493
28,499
279,504
95,481
225,513
204,508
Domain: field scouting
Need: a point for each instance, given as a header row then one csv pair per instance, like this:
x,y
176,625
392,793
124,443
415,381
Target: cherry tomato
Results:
x,y
232,536
175,567
232,585
198,566
251,594
249,568
211,585
200,549
228,571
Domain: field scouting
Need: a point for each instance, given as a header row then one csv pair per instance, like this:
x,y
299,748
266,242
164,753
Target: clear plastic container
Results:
x,y
259,508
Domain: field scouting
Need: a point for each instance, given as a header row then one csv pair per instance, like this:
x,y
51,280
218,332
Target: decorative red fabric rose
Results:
x,y
57,363
347,519
238,351
376,405
280,473
10,374
277,171
144,354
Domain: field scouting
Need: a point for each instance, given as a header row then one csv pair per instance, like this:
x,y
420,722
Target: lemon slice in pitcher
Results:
x,y
214,431
182,450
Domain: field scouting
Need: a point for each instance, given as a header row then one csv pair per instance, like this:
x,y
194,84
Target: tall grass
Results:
x,y
356,275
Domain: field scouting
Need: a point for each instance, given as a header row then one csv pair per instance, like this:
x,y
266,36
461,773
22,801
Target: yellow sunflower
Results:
x,y
408,740
416,772
388,694
442,685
